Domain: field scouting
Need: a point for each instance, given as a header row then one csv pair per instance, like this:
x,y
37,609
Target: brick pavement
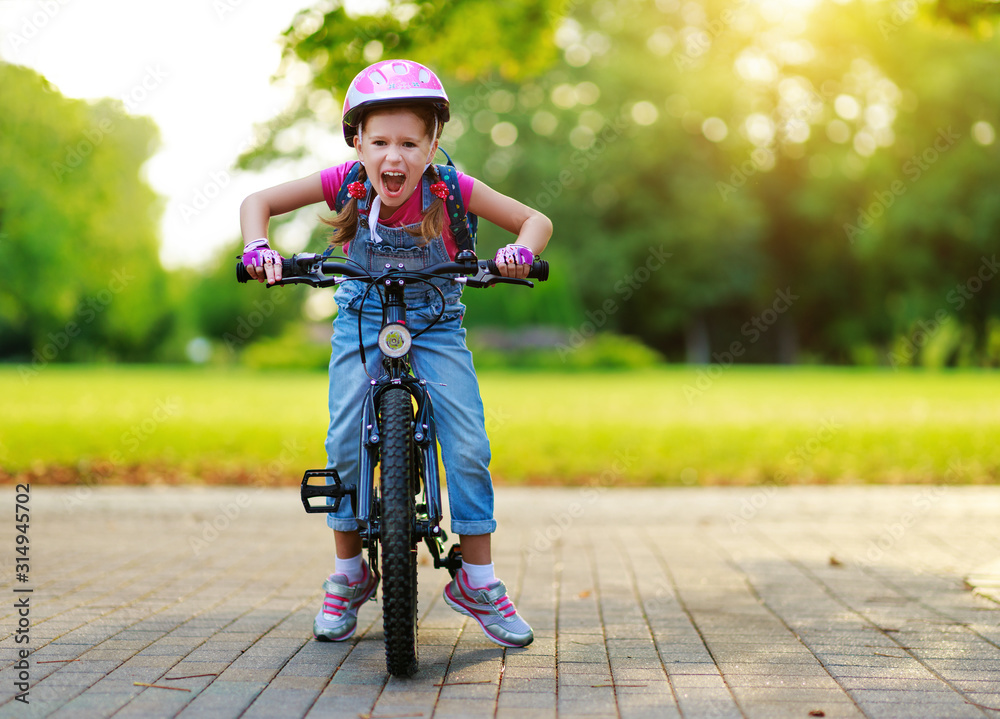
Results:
x,y
646,603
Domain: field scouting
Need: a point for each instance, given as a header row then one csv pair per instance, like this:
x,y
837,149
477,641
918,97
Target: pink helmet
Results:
x,y
392,81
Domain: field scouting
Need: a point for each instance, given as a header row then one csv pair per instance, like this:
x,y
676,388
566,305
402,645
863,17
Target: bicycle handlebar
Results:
x,y
317,271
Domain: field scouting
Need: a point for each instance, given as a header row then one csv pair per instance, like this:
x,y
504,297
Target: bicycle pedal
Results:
x,y
453,562
335,491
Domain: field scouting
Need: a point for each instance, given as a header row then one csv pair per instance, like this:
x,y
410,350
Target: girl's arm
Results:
x,y
532,228
260,207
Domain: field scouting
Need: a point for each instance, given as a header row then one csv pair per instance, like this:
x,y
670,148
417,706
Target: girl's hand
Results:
x,y
514,260
261,262
531,228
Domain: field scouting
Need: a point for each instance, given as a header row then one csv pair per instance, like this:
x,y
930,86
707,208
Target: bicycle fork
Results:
x,y
428,514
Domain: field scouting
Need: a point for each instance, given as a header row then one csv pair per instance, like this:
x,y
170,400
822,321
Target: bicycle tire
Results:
x,y
399,552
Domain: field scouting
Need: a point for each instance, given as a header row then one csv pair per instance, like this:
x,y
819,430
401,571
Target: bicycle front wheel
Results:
x,y
399,551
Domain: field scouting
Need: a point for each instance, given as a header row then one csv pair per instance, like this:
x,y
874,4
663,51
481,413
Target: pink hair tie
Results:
x,y
357,191
440,189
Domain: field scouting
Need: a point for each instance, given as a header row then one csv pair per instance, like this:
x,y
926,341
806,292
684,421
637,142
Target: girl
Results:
x,y
394,113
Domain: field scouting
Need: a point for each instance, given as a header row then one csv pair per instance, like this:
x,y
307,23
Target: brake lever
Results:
x,y
306,269
484,278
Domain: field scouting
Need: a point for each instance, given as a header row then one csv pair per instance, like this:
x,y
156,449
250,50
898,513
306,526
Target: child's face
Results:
x,y
395,148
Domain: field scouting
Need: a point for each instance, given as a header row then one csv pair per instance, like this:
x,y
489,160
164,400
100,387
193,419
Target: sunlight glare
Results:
x,y
759,129
753,65
847,107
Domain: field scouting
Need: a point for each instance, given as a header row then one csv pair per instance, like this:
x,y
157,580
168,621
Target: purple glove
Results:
x,y
514,255
258,252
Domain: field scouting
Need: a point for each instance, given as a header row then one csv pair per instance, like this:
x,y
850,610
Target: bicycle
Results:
x,y
396,437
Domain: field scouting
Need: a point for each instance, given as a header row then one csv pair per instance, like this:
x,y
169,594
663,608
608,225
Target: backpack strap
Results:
x,y
463,224
351,176
342,196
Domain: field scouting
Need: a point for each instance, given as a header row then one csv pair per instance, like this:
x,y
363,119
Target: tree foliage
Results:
x,y
78,227
472,39
729,180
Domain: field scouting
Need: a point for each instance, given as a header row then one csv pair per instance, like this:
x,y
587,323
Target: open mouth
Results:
x,y
393,181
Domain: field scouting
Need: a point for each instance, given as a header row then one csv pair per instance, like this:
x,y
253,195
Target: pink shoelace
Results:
x,y
503,604
334,604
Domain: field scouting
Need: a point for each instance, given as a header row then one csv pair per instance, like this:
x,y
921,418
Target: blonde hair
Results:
x,y
345,222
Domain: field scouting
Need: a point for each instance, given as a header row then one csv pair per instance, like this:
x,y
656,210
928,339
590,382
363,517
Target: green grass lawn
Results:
x,y
674,425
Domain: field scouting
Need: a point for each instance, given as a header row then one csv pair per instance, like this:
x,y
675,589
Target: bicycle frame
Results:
x,y
397,372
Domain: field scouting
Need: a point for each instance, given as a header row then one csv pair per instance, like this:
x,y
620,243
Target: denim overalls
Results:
x,y
439,356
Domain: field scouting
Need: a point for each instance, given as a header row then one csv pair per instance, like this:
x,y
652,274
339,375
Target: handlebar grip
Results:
x,y
241,273
539,269
288,269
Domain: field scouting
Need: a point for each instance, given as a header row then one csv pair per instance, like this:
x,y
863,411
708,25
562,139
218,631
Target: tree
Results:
x,y
471,39
762,150
77,227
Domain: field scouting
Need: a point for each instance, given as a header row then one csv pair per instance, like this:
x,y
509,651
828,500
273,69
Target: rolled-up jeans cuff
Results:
x,y
340,524
478,526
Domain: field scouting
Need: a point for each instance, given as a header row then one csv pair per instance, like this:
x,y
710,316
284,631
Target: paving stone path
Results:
x,y
791,602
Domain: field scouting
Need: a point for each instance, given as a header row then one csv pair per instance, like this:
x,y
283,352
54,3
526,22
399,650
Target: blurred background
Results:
x,y
772,217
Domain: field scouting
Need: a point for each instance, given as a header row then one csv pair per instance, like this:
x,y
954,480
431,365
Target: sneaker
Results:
x,y
492,608
338,618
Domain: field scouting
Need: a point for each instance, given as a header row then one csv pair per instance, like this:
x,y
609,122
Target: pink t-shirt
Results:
x,y
409,213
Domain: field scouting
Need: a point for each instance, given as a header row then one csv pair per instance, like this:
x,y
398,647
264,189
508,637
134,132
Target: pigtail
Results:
x,y
433,223
345,222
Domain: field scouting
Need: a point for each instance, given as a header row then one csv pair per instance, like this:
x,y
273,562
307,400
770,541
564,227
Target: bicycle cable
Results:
x,y
375,282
